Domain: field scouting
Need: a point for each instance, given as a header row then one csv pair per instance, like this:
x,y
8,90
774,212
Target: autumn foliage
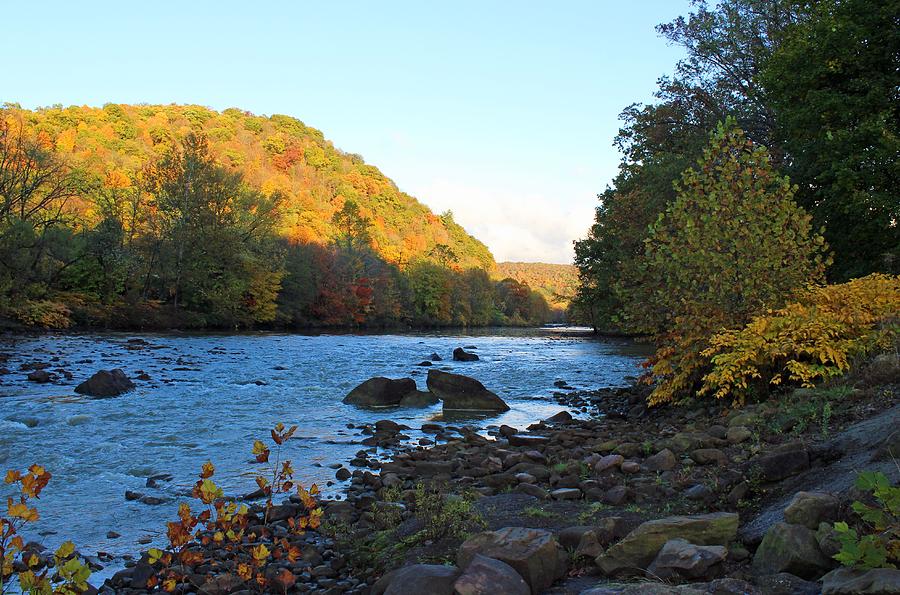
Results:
x,y
818,337
25,568
731,245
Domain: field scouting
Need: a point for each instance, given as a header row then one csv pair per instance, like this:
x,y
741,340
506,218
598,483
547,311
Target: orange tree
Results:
x,y
731,244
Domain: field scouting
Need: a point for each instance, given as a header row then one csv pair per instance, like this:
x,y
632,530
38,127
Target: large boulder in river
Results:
x,y
381,392
461,355
460,392
106,383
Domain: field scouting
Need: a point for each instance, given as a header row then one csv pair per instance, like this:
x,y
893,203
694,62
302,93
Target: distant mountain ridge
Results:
x,y
556,282
273,153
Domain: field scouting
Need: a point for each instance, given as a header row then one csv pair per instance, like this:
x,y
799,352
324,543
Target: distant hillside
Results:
x,y
556,282
274,153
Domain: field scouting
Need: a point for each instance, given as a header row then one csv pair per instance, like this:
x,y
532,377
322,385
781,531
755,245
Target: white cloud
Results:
x,y
527,226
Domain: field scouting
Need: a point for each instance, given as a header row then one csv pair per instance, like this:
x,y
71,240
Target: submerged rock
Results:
x,y
106,383
463,393
461,355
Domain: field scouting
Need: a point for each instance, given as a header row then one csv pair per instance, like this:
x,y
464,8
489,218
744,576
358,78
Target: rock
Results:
x,y
709,456
487,576
533,553
788,460
423,578
221,584
608,462
463,393
381,392
790,548
419,398
616,495
843,581
664,460
811,508
680,557
527,440
738,434
435,357
40,376
106,383
883,369
343,474
424,363
561,417
784,583
461,355
697,492
638,549
566,494
532,490
890,448
630,467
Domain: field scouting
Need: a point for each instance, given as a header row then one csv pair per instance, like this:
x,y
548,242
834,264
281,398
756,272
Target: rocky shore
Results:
x,y
693,499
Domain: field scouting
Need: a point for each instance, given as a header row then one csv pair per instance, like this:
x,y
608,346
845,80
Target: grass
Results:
x,y
536,512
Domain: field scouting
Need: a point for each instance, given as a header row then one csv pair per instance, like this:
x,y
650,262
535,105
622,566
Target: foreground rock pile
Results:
x,y
674,501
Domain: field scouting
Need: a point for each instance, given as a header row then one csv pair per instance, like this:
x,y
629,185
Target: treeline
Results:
x,y
813,82
185,241
768,166
557,283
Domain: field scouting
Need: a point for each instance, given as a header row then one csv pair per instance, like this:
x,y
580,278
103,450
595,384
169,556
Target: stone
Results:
x,y
679,557
630,467
883,369
784,583
533,553
380,392
566,494
811,508
434,579
738,434
461,355
343,474
460,392
221,584
488,576
561,417
532,490
106,383
785,462
709,456
843,581
664,460
639,548
697,492
608,462
793,549
616,495
435,357
40,376
419,398
527,440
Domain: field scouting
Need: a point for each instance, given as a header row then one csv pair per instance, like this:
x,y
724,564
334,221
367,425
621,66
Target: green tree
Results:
x,y
732,244
833,87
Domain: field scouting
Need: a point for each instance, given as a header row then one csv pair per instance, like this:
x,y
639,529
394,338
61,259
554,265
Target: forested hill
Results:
x,y
180,216
274,154
556,282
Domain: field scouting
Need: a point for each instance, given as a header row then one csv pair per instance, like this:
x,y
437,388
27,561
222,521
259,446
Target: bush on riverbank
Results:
x,y
818,337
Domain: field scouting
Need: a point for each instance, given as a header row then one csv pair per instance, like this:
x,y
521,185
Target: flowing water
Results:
x,y
210,395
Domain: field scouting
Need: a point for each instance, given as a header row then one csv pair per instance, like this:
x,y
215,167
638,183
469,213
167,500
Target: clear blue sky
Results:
x,y
503,112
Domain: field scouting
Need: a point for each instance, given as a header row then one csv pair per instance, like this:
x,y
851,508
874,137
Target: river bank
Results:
x,y
585,505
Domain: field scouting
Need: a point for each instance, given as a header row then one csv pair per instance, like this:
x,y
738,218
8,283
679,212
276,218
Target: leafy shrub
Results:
x,y
813,339
732,244
70,573
227,525
42,314
879,546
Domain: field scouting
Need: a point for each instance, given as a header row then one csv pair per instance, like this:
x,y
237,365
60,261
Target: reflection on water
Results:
x,y
210,395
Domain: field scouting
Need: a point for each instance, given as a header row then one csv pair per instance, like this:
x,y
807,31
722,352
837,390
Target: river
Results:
x,y
210,395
